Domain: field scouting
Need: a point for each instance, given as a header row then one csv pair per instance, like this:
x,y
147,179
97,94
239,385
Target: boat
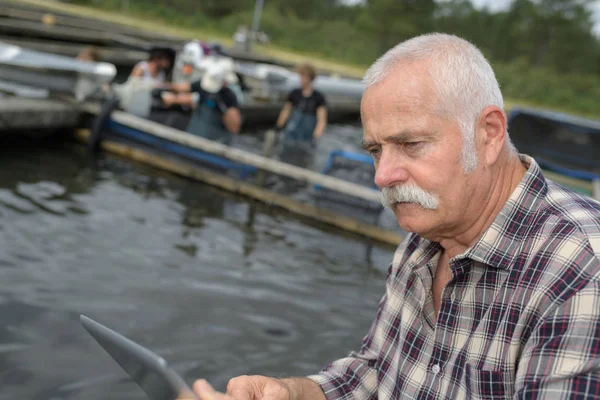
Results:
x,y
43,73
564,145
240,171
342,165
131,127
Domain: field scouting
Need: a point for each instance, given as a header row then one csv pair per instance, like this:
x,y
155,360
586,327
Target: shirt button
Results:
x,y
435,369
452,296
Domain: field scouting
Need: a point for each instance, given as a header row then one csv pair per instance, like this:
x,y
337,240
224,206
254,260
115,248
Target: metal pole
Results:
x,y
258,7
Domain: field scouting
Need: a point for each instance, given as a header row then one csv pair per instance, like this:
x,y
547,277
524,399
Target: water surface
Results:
x,y
217,285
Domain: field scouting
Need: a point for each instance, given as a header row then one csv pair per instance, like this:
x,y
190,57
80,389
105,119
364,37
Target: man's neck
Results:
x,y
506,180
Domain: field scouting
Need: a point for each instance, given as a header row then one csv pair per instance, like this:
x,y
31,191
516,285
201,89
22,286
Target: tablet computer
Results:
x,y
150,371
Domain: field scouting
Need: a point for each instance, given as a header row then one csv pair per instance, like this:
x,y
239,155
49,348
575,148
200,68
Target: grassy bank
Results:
x,y
521,84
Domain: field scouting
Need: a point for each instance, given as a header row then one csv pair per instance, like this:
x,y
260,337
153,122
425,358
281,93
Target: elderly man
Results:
x,y
495,293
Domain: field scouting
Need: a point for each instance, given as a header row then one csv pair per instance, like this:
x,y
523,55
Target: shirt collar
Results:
x,y
499,245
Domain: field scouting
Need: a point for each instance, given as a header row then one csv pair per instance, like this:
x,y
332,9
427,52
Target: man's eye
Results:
x,y
374,151
412,144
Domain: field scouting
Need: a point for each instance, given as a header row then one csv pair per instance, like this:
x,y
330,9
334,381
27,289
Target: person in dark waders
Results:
x,y
302,119
216,115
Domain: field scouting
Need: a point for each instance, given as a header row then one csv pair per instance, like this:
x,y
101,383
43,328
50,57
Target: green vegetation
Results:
x,y
543,51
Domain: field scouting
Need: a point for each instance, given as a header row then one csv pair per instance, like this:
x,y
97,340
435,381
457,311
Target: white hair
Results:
x,y
464,81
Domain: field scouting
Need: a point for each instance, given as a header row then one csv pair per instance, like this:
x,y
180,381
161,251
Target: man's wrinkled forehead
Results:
x,y
384,109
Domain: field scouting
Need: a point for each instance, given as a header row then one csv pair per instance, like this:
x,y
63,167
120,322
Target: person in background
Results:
x,y
303,118
495,291
193,55
89,53
155,68
216,115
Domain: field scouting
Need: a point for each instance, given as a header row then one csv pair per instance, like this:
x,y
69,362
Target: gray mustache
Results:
x,y
409,193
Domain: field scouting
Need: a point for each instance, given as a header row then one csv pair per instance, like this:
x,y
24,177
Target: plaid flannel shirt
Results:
x,y
520,317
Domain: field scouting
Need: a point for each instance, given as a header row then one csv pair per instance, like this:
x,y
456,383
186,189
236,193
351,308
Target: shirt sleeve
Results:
x,y
355,377
229,98
293,97
321,102
561,360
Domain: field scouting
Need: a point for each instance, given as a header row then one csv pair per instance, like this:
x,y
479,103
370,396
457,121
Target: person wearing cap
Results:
x,y
303,118
216,115
191,57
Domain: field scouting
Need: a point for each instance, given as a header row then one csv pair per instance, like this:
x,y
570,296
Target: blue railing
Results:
x,y
180,150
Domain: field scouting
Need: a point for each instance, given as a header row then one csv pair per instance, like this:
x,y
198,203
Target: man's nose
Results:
x,y
390,170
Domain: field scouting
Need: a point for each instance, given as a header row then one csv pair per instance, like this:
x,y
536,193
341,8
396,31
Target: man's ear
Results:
x,y
492,133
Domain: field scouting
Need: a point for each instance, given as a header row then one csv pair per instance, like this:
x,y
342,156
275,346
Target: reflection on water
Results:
x,y
216,285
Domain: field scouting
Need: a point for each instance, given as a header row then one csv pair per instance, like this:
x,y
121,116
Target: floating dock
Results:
x,y
19,114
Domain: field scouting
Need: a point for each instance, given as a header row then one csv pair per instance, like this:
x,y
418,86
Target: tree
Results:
x,y
391,21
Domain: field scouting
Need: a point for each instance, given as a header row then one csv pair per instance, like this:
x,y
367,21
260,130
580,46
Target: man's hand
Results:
x,y
168,98
247,388
258,387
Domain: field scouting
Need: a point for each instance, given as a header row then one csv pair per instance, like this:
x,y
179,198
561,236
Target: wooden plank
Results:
x,y
238,155
306,210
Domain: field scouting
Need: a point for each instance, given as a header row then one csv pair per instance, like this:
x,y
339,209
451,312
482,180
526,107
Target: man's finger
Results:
x,y
187,395
205,391
239,393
